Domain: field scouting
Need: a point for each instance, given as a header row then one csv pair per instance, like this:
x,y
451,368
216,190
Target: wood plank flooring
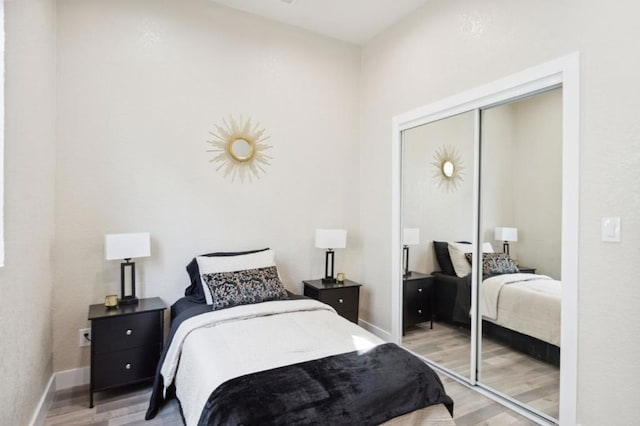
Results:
x,y
127,406
510,372
119,407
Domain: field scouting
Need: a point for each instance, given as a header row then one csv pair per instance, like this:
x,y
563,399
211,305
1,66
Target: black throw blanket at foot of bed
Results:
x,y
356,388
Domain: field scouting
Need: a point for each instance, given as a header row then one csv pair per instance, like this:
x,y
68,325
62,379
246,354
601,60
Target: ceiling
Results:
x,y
355,21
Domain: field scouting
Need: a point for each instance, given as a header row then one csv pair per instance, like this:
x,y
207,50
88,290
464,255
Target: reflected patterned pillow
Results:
x,y
244,287
495,263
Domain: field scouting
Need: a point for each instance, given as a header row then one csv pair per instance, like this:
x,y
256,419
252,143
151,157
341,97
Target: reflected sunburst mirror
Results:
x,y
238,149
448,164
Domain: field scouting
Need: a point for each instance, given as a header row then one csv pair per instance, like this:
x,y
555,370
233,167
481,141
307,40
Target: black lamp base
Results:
x,y
405,261
505,247
328,273
128,300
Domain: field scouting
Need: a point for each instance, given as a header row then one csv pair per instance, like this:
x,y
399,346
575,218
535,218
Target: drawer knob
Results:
x,y
419,311
127,366
129,332
340,301
419,290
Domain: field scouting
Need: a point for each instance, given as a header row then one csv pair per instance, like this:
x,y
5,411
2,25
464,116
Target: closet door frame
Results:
x,y
563,72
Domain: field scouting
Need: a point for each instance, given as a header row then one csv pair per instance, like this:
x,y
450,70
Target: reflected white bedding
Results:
x,y
526,303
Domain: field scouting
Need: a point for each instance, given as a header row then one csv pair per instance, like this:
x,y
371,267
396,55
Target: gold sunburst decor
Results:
x,y
239,149
448,165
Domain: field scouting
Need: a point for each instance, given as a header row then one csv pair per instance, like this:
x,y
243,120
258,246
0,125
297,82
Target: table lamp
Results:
x,y
127,247
505,235
410,237
330,239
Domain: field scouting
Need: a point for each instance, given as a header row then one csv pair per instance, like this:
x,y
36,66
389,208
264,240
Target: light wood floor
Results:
x,y
127,406
513,373
124,406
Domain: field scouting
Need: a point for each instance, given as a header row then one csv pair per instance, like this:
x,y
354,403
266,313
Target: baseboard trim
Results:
x,y
58,381
383,334
72,378
40,414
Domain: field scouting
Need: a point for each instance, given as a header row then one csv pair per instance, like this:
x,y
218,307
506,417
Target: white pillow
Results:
x,y
458,259
487,248
214,264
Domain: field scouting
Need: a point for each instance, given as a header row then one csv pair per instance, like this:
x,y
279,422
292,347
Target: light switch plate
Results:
x,y
611,229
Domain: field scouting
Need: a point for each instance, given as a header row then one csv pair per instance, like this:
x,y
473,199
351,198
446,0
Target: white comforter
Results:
x,y
209,349
527,303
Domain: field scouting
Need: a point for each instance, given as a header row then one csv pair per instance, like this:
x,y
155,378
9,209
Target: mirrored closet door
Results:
x,y
488,180
521,217
437,192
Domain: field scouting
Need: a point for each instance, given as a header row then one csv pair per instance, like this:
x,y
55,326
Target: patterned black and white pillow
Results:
x,y
496,263
244,287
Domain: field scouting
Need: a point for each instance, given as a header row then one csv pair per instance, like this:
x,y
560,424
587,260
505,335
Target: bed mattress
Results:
x,y
214,347
527,303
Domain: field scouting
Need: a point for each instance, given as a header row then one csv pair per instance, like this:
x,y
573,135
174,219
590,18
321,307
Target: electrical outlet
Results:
x,y
84,341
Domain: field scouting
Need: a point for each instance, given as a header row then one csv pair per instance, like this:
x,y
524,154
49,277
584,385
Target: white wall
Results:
x,y
141,85
451,46
26,279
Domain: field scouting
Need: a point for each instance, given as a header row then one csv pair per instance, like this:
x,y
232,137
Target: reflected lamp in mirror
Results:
x,y
330,239
410,237
127,247
506,235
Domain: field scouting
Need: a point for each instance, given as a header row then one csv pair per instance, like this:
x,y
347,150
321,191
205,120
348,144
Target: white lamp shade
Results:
x,y
331,238
506,234
411,236
127,246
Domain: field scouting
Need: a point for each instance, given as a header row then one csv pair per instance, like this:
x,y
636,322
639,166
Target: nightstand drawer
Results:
x,y
343,299
122,367
126,332
419,290
416,315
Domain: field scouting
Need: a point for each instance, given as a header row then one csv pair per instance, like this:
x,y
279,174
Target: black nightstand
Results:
x,y
417,299
125,343
526,270
343,297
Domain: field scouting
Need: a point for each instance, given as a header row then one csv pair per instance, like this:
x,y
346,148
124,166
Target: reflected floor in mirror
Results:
x,y
524,378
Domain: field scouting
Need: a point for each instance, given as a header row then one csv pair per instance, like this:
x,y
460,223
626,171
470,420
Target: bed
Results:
x,y
286,360
521,310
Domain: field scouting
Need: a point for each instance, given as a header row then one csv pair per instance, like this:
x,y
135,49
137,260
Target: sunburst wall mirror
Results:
x,y
239,149
448,168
